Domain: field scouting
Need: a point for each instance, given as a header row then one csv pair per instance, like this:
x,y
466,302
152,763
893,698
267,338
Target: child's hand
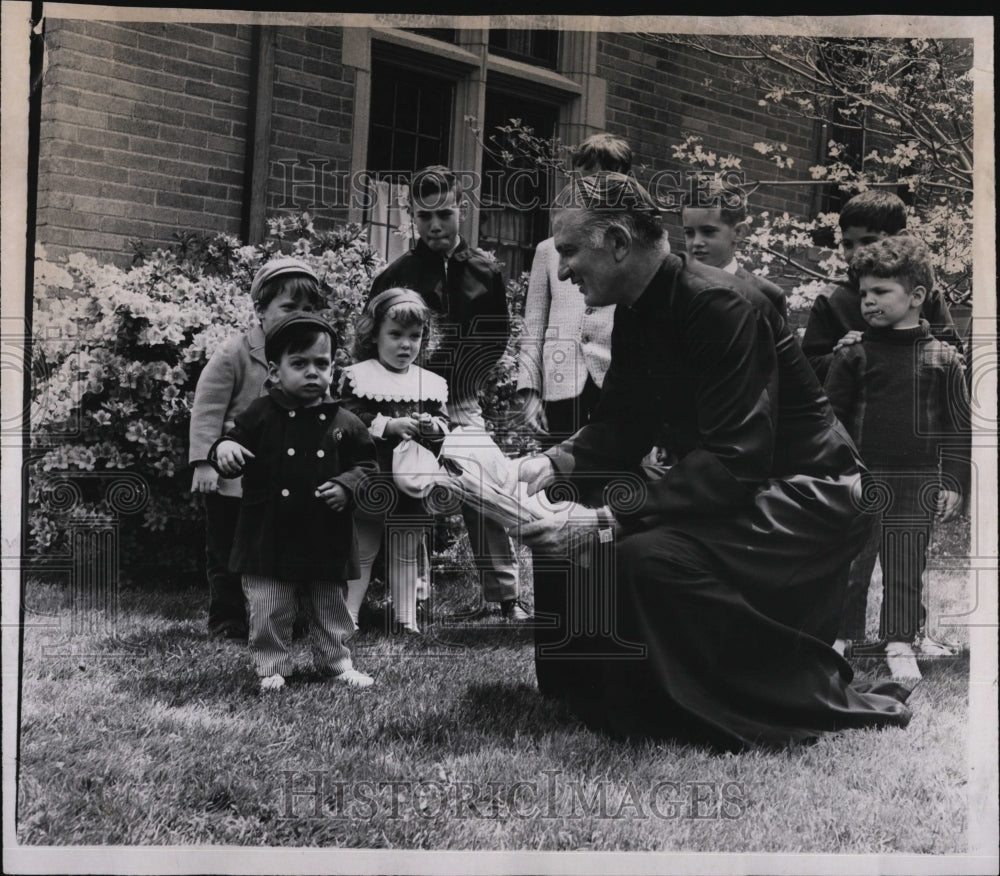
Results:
x,y
403,427
333,494
948,503
232,457
851,338
428,425
206,478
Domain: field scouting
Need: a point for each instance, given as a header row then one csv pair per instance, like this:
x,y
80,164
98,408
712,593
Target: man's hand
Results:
x,y
537,472
848,340
561,533
206,478
333,494
948,503
232,457
531,410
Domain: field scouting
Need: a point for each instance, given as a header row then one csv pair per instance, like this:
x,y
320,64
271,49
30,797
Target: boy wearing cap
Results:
x,y
303,458
235,376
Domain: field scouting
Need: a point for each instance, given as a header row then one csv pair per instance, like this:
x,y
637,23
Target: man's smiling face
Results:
x,y
592,267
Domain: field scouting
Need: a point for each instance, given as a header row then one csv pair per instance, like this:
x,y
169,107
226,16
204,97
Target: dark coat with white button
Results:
x,y
284,530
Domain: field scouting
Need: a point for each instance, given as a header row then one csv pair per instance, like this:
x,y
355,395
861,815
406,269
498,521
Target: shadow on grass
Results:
x,y
214,684
497,713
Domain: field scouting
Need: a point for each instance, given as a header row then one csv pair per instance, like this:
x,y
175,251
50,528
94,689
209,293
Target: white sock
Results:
x,y
403,568
369,541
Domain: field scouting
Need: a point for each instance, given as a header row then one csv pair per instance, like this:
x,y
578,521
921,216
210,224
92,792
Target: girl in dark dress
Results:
x,y
397,400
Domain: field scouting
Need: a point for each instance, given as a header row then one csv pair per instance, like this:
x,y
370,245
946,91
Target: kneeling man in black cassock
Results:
x,y
718,584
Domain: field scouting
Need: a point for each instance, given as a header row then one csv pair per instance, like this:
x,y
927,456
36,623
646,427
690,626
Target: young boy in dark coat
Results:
x,y
303,458
232,379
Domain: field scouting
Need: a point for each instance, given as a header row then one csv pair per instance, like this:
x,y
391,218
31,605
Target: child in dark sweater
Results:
x,y
901,393
835,320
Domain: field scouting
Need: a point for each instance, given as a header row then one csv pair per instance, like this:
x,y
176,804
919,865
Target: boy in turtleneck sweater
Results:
x,y
902,395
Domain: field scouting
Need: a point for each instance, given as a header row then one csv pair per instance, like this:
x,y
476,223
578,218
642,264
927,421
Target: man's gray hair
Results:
x,y
614,200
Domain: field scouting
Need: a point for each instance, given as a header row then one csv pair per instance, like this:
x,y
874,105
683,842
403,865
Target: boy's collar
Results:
x,y
732,267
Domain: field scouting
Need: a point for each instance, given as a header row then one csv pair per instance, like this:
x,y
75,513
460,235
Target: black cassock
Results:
x,y
711,617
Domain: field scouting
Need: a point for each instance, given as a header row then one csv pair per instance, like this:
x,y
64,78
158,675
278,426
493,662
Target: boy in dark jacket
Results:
x,y
465,288
901,394
835,320
303,459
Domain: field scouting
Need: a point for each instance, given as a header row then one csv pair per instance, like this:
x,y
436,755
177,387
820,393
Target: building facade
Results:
x,y
147,129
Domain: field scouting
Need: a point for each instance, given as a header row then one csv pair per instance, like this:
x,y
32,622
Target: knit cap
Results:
x,y
276,268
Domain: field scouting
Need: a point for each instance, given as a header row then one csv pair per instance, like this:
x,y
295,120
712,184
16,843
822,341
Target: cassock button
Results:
x,y
322,416
284,493
291,451
320,453
291,413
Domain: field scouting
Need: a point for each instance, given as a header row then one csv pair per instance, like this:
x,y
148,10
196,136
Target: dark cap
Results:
x,y
294,322
276,268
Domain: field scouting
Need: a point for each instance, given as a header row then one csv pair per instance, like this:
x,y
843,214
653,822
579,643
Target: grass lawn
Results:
x,y
159,736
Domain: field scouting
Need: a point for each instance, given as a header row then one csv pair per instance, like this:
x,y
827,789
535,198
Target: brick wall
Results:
x,y
657,94
311,124
144,127
143,133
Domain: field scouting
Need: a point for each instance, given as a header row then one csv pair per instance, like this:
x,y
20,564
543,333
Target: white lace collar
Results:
x,y
371,379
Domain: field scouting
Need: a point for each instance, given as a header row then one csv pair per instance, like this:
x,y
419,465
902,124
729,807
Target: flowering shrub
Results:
x,y
116,358
508,430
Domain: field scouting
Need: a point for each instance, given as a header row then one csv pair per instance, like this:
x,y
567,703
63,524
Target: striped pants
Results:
x,y
272,603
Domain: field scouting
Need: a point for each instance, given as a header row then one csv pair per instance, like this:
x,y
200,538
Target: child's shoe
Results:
x,y
354,678
901,660
514,610
925,646
272,682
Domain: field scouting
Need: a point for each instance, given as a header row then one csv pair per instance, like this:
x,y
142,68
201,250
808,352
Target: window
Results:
x,y
444,34
852,141
415,92
513,218
410,128
540,47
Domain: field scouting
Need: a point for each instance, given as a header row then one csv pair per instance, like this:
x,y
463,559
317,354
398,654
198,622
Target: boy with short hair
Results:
x,y
901,394
713,232
234,376
303,457
835,320
465,288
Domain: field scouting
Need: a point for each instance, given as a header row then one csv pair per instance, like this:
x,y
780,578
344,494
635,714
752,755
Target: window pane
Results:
x,y
410,128
445,34
539,47
513,218
401,98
